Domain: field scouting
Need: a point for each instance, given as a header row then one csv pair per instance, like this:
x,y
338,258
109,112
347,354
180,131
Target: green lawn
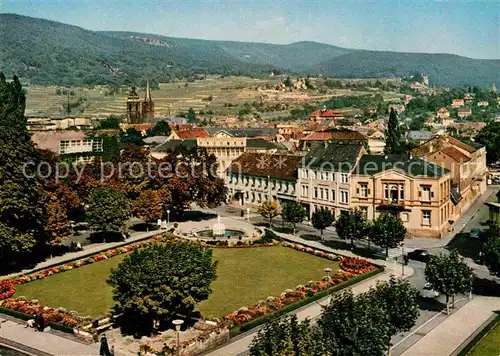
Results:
x,y
489,345
245,276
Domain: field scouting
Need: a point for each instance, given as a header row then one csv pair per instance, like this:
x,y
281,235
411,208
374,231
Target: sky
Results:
x,y
467,28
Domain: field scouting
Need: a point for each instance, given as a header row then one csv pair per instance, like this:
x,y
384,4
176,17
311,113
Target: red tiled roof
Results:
x,y
318,136
335,135
455,154
326,113
192,134
140,127
460,144
443,110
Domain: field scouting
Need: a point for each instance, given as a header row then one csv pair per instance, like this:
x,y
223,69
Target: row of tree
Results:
x,y
386,231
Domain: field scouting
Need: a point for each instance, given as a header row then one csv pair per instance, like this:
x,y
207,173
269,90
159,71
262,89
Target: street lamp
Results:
x,y
327,272
403,258
177,323
168,218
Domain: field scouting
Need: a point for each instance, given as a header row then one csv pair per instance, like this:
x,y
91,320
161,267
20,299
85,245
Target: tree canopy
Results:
x,y
351,225
269,209
160,281
108,210
491,255
489,136
293,213
321,219
393,134
387,231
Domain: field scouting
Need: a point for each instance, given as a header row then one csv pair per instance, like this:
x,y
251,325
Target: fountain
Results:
x,y
219,229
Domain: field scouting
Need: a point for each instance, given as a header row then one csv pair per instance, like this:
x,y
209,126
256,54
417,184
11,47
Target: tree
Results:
x,y
287,337
108,210
351,225
148,206
57,225
269,209
449,275
293,212
354,326
321,219
191,116
387,231
491,255
393,135
489,136
288,82
160,281
111,122
21,193
131,136
160,129
399,299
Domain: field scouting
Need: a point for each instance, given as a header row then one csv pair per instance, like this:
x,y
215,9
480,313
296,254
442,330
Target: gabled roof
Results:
x,y
245,131
263,165
326,113
334,157
414,167
455,154
333,135
261,143
174,144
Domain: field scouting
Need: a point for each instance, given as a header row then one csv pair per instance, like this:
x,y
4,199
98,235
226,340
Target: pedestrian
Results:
x,y
104,350
30,323
41,323
113,350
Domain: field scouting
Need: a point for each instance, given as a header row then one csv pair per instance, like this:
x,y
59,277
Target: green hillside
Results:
x,y
48,52
442,69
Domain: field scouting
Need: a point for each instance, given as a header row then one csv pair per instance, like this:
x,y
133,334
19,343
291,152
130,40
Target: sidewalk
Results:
x,y
45,342
87,250
446,338
312,311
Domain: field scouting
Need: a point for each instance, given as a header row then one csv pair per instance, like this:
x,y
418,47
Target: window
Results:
x,y
344,196
344,178
305,173
363,190
315,175
321,193
326,194
404,217
305,191
333,176
426,193
315,193
333,195
426,217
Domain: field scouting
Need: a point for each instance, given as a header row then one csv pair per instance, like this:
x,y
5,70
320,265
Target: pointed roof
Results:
x,y
148,92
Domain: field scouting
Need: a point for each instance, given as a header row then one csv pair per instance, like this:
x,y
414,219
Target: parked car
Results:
x,y
428,292
419,255
474,234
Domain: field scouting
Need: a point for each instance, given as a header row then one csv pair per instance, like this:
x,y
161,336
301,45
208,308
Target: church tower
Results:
x,y
148,105
133,107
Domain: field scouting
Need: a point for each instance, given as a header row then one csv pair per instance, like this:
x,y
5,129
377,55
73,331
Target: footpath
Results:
x,y
240,344
449,337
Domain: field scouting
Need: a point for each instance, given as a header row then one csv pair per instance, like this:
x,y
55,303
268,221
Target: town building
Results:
x,y
140,111
468,98
464,112
443,113
419,137
415,190
322,116
324,180
466,163
192,134
483,103
76,146
374,145
399,108
46,123
457,103
253,178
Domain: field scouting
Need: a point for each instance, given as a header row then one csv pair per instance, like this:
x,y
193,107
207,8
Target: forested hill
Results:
x,y
49,52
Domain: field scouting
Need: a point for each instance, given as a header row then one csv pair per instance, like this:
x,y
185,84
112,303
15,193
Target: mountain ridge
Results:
x,y
50,52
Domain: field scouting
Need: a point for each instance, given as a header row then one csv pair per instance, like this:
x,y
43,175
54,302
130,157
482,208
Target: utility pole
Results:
x,y
68,110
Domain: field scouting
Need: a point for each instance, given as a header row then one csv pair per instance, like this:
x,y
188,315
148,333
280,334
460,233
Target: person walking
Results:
x,y
104,350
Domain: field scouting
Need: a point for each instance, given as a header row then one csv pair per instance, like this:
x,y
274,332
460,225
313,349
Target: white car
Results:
x,y
428,292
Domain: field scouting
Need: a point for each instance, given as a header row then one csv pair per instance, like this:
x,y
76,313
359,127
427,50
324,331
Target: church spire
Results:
x,y
148,92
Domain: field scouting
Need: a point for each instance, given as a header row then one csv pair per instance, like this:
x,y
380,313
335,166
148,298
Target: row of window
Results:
x,y
323,175
76,146
326,194
396,192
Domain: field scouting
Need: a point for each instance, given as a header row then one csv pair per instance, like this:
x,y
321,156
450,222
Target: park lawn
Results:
x,y
245,276
489,345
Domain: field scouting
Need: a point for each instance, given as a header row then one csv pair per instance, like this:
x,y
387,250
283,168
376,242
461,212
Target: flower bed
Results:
x,y
7,289
356,265
50,315
298,247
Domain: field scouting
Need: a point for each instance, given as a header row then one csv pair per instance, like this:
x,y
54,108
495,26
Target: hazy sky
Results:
x,y
468,28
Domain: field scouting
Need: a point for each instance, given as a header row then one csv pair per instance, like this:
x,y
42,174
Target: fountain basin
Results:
x,y
228,233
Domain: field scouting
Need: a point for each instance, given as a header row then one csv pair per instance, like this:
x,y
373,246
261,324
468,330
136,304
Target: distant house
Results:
x,y
399,108
468,98
188,134
457,103
445,122
375,146
419,136
483,103
141,128
325,115
443,113
464,112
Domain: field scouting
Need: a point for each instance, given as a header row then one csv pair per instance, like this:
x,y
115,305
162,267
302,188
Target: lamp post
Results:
x,y
168,218
178,323
403,258
327,272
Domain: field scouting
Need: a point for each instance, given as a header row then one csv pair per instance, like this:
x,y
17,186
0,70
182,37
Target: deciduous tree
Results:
x,y
108,210
491,255
449,275
351,225
148,206
387,231
158,282
293,212
393,134
269,209
161,128
57,225
321,219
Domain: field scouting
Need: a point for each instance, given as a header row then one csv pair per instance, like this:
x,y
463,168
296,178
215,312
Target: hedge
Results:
x,y
19,315
287,309
482,334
